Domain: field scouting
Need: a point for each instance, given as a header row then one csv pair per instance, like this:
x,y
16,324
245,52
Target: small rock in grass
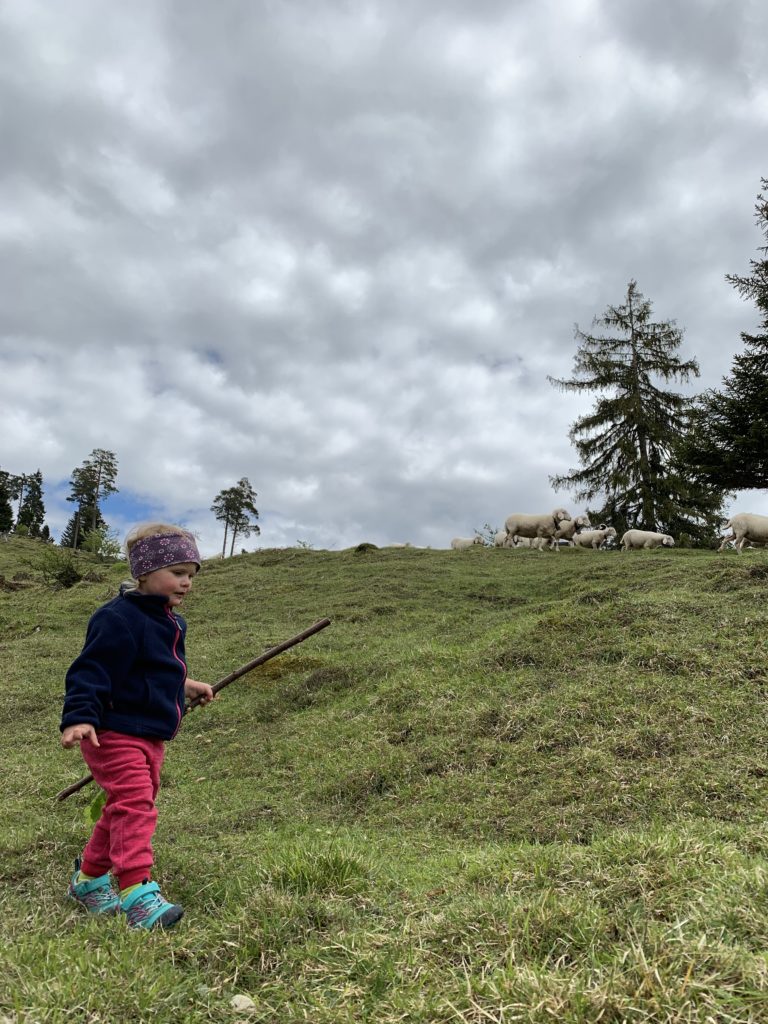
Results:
x,y
242,1003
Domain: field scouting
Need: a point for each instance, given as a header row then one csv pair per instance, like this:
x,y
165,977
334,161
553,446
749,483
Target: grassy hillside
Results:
x,y
503,785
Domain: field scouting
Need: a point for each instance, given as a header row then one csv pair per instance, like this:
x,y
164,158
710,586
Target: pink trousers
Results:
x,y
128,769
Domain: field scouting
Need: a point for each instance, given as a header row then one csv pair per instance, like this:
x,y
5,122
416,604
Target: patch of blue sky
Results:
x,y
120,511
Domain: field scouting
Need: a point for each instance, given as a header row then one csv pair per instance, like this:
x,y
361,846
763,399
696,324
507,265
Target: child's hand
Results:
x,y
74,733
193,689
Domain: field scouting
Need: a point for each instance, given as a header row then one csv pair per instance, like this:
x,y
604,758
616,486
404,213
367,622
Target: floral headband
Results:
x,y
160,550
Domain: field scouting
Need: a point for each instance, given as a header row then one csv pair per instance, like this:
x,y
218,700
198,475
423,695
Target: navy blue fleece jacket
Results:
x,y
130,674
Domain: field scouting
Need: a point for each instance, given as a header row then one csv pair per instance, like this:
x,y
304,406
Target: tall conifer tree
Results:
x,y
729,443
6,509
625,445
90,483
32,510
236,508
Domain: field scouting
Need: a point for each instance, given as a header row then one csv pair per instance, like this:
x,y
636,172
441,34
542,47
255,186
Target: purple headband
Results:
x,y
160,550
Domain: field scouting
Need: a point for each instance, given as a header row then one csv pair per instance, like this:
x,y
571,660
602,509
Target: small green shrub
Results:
x,y
59,567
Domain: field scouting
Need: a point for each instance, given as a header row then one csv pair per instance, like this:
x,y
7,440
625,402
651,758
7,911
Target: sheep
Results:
x,y
593,538
503,540
537,543
747,528
544,526
406,545
729,542
463,543
635,539
569,527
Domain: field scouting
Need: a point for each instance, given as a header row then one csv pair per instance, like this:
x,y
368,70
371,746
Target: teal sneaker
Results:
x,y
146,908
96,895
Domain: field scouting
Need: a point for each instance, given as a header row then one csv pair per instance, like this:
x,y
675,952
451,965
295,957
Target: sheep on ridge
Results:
x,y
502,540
570,527
593,538
463,543
747,528
542,526
633,540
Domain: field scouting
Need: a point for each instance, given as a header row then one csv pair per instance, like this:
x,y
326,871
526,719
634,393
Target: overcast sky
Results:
x,y
337,247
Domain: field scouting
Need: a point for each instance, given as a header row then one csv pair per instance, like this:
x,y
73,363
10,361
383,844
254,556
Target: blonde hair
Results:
x,y
137,533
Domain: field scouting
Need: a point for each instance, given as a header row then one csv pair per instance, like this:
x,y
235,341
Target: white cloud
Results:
x,y
340,253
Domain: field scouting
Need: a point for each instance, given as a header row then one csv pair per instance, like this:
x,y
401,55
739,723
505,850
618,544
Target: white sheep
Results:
x,y
570,527
747,528
463,543
636,539
729,542
543,526
503,540
593,538
406,545
537,543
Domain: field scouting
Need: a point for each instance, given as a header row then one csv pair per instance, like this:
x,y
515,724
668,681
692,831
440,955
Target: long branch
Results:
x,y
249,667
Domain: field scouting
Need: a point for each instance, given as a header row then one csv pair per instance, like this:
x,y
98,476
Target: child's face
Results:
x,y
173,582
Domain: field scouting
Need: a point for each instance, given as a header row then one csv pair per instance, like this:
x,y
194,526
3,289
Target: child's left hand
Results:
x,y
193,689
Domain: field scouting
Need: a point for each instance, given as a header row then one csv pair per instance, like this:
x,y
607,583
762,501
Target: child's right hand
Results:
x,y
74,733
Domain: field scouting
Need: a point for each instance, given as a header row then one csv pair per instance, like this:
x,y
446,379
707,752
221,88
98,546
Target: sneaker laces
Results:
x,y
98,898
145,905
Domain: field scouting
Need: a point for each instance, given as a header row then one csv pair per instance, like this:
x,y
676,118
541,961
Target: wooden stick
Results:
x,y
271,653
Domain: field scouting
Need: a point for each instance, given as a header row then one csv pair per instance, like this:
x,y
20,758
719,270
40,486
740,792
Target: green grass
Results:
x,y
502,786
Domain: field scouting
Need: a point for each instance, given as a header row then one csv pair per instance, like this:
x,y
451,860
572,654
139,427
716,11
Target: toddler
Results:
x,y
124,698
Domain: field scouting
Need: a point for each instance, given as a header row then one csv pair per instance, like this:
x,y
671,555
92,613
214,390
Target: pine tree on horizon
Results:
x,y
32,509
90,483
74,535
236,508
6,508
729,442
626,444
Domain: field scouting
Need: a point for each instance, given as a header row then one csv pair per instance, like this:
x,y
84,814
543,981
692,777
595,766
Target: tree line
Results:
x,y
25,491
654,458
22,510
90,483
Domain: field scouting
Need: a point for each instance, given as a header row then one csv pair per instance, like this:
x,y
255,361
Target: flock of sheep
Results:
x,y
551,528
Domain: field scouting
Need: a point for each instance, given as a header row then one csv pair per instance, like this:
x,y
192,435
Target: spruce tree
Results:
x,y
6,509
626,444
91,482
78,527
235,507
32,510
729,443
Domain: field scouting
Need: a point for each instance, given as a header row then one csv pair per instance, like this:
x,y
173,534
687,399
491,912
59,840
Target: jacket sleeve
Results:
x,y
105,660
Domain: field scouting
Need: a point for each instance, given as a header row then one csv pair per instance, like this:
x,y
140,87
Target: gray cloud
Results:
x,y
339,248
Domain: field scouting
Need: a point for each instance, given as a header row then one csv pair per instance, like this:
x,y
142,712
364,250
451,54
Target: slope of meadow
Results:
x,y
503,785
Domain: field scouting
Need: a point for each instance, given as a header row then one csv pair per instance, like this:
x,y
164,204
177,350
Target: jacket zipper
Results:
x,y
179,712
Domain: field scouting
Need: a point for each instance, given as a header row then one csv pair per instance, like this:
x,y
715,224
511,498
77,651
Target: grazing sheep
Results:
x,y
542,526
406,545
593,538
729,542
747,528
537,543
462,543
635,539
570,527
503,540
